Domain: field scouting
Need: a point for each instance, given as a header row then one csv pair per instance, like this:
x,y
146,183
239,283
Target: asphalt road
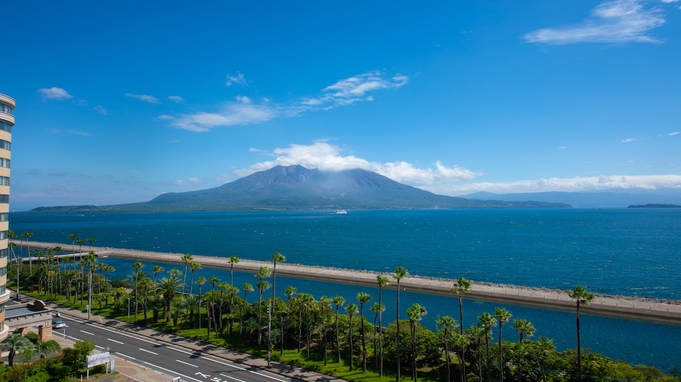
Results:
x,y
189,365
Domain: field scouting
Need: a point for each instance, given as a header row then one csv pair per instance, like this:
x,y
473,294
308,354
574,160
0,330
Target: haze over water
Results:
x,y
614,251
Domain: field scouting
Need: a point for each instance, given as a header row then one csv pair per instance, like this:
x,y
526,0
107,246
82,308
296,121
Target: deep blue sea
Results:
x,y
614,251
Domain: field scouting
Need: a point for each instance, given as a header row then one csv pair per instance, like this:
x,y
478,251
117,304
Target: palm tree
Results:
x,y
477,333
377,309
524,328
400,273
45,348
169,286
137,274
14,344
446,324
211,312
351,310
501,315
247,288
546,346
363,298
582,297
264,272
156,270
338,301
276,258
194,266
200,281
186,259
232,260
415,313
381,281
461,287
25,236
460,341
486,321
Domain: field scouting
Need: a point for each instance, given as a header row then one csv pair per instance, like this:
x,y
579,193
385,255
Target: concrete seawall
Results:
x,y
604,305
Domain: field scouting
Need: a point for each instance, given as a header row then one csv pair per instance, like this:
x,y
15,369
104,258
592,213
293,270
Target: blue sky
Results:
x,y
122,101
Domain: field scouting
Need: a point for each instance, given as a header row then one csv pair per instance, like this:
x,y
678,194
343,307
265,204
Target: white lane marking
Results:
x,y
118,342
92,334
171,371
127,356
188,364
236,379
222,363
266,376
148,351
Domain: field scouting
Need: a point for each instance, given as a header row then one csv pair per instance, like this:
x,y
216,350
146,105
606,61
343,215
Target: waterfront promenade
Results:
x,y
605,305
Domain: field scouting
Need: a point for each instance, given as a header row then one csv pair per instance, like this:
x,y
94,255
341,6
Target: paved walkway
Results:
x,y
135,372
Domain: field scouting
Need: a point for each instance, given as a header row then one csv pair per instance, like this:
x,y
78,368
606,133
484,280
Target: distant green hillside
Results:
x,y
296,188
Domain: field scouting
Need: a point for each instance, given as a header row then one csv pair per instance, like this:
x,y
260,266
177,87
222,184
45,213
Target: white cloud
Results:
x,y
244,111
144,97
576,184
176,99
328,157
628,140
674,133
188,181
611,22
100,109
82,102
669,1
238,79
54,93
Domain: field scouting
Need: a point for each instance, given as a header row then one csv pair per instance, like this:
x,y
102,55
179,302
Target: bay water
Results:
x,y
633,252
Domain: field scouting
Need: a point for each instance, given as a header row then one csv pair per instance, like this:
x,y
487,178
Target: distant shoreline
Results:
x,y
631,307
653,205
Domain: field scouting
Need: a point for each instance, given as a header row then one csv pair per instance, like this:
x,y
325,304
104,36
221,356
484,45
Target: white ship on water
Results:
x,y
341,212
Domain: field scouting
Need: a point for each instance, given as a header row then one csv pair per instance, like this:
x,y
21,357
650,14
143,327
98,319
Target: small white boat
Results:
x,y
341,212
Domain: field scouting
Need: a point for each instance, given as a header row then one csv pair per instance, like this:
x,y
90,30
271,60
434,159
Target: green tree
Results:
x,y
351,310
400,273
263,273
186,259
338,301
247,288
193,267
156,270
363,298
445,326
14,344
524,328
486,321
461,287
276,258
137,275
582,297
232,260
169,286
44,348
415,314
501,315
381,281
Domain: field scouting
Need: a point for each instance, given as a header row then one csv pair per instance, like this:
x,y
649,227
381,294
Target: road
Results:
x,y
190,365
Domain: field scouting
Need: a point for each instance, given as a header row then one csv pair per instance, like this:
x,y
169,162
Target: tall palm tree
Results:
x,y
486,321
276,258
524,328
415,314
137,273
211,312
186,259
193,266
26,235
263,273
477,333
460,342
14,344
338,301
381,281
169,287
377,309
90,240
80,243
232,260
400,273
461,287
582,297
200,281
156,270
247,288
351,310
546,346
501,315
445,326
363,298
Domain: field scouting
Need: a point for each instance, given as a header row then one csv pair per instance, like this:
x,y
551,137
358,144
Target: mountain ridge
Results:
x,y
296,187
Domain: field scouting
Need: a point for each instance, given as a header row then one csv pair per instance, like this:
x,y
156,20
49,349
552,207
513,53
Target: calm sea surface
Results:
x,y
614,251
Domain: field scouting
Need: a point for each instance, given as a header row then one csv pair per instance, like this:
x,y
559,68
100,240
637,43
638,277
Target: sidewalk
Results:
x,y
136,372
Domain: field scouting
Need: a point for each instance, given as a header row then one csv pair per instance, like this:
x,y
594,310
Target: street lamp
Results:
x,y
128,306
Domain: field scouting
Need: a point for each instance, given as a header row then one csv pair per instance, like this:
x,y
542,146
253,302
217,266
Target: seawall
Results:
x,y
664,311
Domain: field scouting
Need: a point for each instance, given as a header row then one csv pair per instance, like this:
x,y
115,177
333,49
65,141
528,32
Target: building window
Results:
x,y
3,271
4,217
2,308
4,162
3,288
6,126
4,199
4,181
3,235
3,253
5,108
5,145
